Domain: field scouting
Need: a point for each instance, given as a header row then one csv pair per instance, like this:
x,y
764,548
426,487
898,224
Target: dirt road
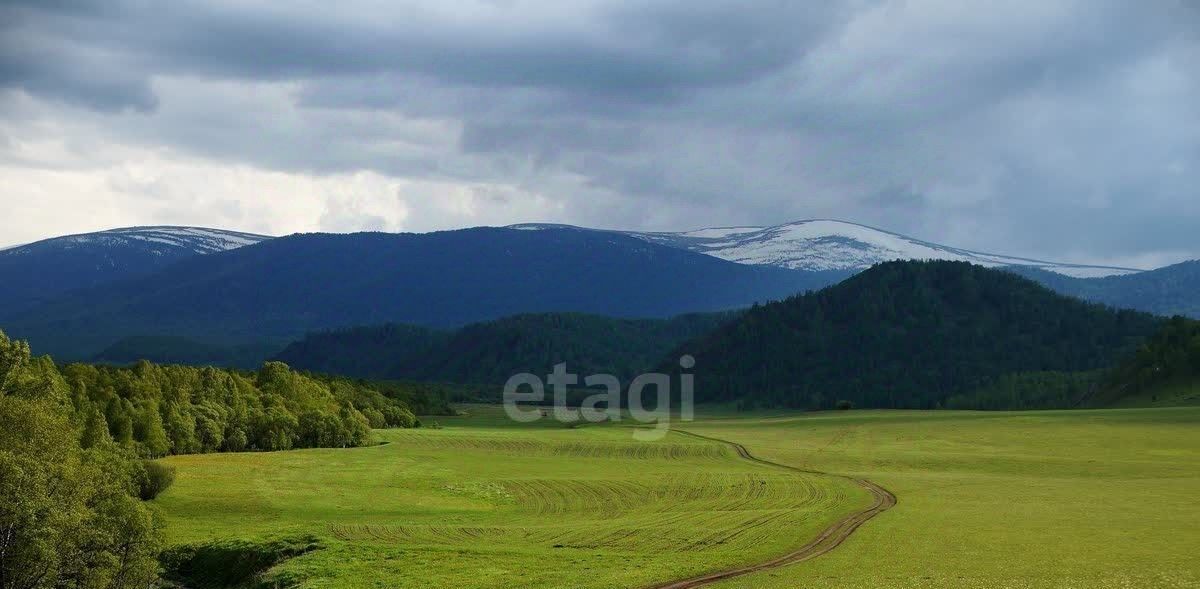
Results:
x,y
826,541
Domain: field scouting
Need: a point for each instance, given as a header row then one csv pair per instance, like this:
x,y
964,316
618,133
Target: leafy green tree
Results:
x,y
236,440
180,428
399,417
275,429
356,427
210,427
321,430
151,435
68,515
95,430
375,417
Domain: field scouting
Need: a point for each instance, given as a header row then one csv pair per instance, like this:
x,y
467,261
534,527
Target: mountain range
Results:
x,y
181,292
276,290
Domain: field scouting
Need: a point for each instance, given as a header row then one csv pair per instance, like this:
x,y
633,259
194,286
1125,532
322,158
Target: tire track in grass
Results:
x,y
826,541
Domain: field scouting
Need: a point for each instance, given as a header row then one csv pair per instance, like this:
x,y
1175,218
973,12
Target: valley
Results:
x,y
880,294
321,411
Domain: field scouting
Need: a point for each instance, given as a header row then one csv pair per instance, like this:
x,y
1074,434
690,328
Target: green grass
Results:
x,y
1086,499
483,502
1101,499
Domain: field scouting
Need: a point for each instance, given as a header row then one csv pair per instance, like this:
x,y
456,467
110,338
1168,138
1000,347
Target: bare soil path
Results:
x,y
827,540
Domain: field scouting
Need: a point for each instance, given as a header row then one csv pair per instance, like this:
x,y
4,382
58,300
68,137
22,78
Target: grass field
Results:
x,y
1104,499
485,503
1087,499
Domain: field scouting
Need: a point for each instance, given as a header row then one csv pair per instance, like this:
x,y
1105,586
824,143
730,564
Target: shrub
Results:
x,y
396,416
157,478
376,417
844,405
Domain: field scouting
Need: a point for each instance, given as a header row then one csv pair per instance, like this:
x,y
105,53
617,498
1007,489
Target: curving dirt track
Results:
x,y
830,538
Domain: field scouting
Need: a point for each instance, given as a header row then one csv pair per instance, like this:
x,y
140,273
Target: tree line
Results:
x,y
160,410
77,443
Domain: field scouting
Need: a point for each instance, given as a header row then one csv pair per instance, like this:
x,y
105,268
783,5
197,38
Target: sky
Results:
x,y
1063,130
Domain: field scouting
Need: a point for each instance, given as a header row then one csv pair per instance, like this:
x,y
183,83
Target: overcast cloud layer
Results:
x,y
1065,130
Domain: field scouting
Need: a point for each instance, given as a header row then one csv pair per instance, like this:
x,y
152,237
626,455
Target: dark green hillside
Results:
x,y
180,350
906,334
492,351
385,352
1032,390
1164,370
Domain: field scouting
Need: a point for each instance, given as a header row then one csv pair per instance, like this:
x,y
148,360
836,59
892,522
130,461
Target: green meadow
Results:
x,y
1064,499
1039,499
484,502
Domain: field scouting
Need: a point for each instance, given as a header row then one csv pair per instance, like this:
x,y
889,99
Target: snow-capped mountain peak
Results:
x,y
197,240
829,244
52,267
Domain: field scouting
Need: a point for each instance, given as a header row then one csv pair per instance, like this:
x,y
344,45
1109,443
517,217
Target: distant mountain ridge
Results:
x,y
43,270
160,238
829,244
1170,290
279,289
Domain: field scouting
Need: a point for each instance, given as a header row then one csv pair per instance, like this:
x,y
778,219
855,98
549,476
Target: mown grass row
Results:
x,y
505,442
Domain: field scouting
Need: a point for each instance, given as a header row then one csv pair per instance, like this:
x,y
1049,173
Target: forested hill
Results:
x,y
906,334
492,351
1164,370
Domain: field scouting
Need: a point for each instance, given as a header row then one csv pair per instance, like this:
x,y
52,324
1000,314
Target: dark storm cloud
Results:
x,y
1041,128
631,54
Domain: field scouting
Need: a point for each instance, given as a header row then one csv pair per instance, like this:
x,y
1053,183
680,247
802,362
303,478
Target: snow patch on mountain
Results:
x,y
160,240
828,244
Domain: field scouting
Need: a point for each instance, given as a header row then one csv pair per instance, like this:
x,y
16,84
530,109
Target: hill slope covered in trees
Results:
x,y
906,334
1164,370
490,352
